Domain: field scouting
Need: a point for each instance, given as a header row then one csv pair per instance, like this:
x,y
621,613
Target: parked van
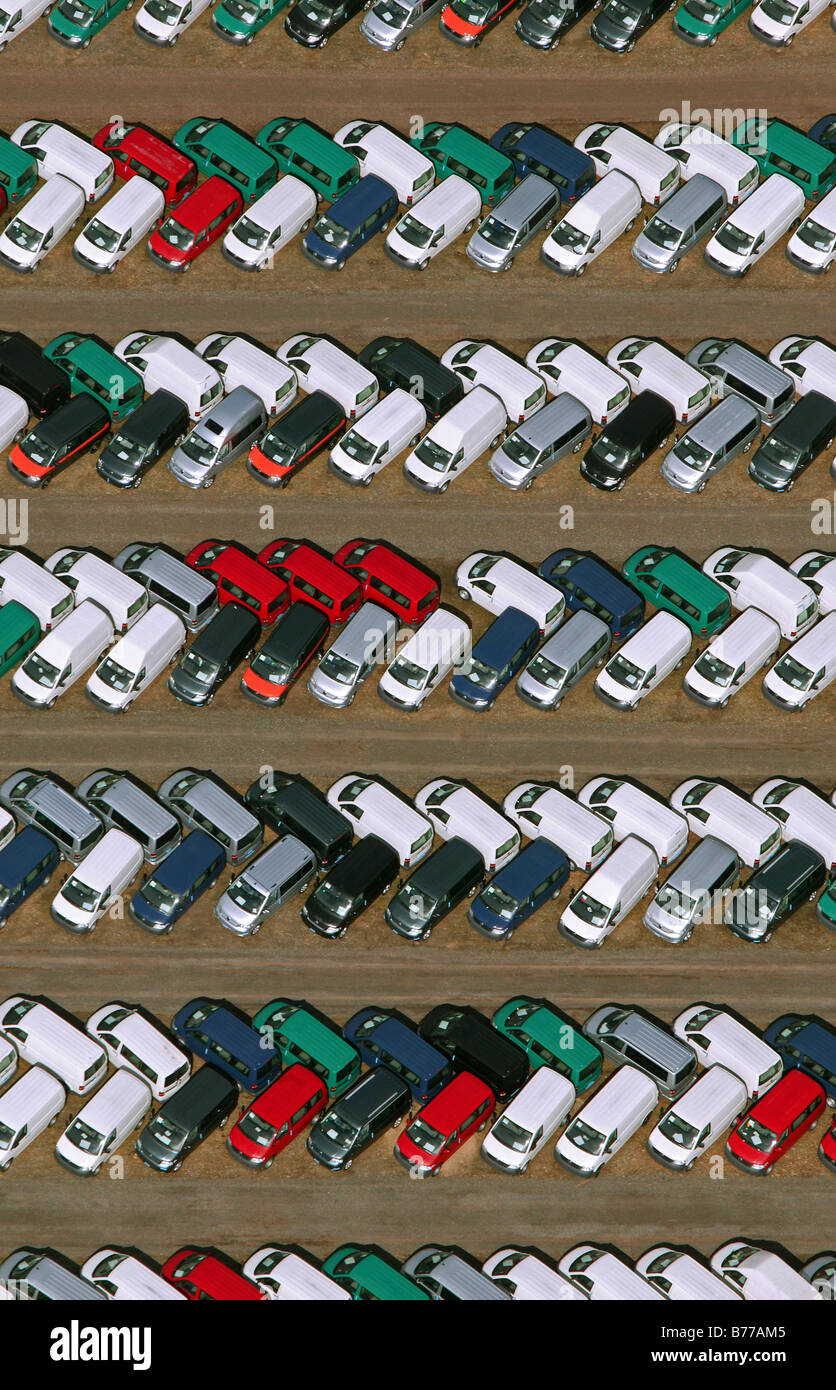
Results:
x,y
284,1275
690,214
451,873
27,862
364,643
450,208
38,799
35,1275
736,369
27,11
756,581
104,1123
643,662
26,370
136,660
125,805
678,586
19,633
404,362
528,1122
203,803
239,362
58,150
805,432
459,438
380,151
124,1277
385,1038
472,818
591,586
276,1116
728,430
539,150
713,809
631,810
47,217
576,648
92,578
529,208
809,163
45,1038
694,892
645,425
97,882
678,1275
716,1036
818,569
156,425
165,364
269,224
555,431
171,582
701,151
219,148
628,1034
497,582
592,224
188,1117
455,150
805,669
375,810
479,363
131,1040
441,644
495,659
321,365
774,208
534,876
812,246
350,886
602,1126
446,1275
392,425
302,149
609,894
94,368
655,171
219,438
526,1277
760,1274
164,27
378,1100
700,1116
357,215
794,875
126,220
808,1043
732,658
651,366
301,1036
567,366
26,1109
542,810
187,871
63,655
290,804
229,1041
280,872
804,815
602,1275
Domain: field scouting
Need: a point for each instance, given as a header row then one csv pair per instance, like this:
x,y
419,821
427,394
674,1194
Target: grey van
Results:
x,y
124,805
697,208
558,428
283,870
366,641
582,643
444,1274
192,596
33,1274
736,369
694,890
728,430
225,433
202,804
37,798
624,1034
532,206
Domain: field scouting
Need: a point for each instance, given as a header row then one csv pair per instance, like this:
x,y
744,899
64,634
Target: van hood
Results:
x,y
672,1155
189,471
75,919
513,475
575,1159
234,918
158,1155
324,1150
535,693
16,257
69,1156
32,692
782,694
380,34
330,691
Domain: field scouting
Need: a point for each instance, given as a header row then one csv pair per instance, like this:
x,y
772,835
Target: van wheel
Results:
x,y
712,40
723,703
398,1122
340,265
581,270
631,45
463,593
208,483
415,441
399,45
367,481
422,265
576,448
172,41
787,41
672,267
51,702
444,486
508,264
347,1164
86,43
484,1125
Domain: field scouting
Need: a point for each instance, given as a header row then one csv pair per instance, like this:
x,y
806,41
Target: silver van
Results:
x,y
444,1274
366,641
221,437
192,596
736,369
581,644
696,208
202,804
626,1035
697,886
725,432
530,207
286,868
33,1274
124,805
387,25
557,429
36,798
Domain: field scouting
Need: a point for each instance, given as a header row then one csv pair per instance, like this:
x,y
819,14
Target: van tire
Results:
x,y
712,40
367,481
444,486
582,268
347,1164
399,45
672,267
463,593
576,448
422,265
787,41
172,41
508,264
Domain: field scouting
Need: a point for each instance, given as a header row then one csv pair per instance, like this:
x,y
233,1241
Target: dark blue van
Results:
x,y
365,209
497,657
177,882
537,150
537,874
588,583
385,1038
26,863
808,1043
219,1034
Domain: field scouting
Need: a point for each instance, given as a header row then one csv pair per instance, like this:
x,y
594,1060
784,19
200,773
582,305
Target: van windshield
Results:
x,y
158,896
414,231
198,667
338,668
331,232
333,900
792,673
388,12
511,1136
571,238
164,10
36,449
246,896
84,1137
162,1129
784,456
732,239
407,673
79,894
497,233
272,668
40,671
98,234
691,453
425,1136
520,450
247,231
22,235
625,673
547,672
678,1131
116,676
755,1134
176,234
497,900
610,451
434,455
357,447
254,1128
77,12
338,1129
588,909
712,669
782,11
128,450
814,235
199,450
584,1137
481,673
675,901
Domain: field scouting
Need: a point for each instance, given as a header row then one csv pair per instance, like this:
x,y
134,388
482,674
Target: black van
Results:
x,y
26,862
403,362
187,1118
290,805
298,635
295,438
228,638
378,1101
452,872
807,429
24,369
351,886
775,891
156,426
80,424
471,1042
643,426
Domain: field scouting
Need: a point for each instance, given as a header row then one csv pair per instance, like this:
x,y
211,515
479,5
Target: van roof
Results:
x,y
222,1024
537,1098
280,857
573,639
205,202
213,800
818,643
390,409
137,195
618,1089
374,1090
303,1029
223,139
79,412
35,1086
467,147
361,200
403,1041
92,568
159,411
55,196
305,139
178,360
257,361
810,413
466,1282
174,573
505,369
755,367
596,580
707,858
16,621
376,1275
598,199
52,1280
22,853
204,1088
283,1096
689,201
287,195
583,369
750,627
467,412
404,360
551,149
451,861
309,810
504,636
700,587
785,140
157,621
724,419
104,857
412,581
391,146
362,861
646,412
564,411
768,201
653,812
51,798
443,197
649,158
630,853
182,866
59,140
713,1087
134,803
122,1087
749,1049
661,628
328,357
680,373
235,564
60,1035
528,868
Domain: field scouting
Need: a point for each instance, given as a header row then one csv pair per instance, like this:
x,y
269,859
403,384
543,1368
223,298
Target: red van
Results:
x,y
461,1108
202,217
388,579
827,1148
135,149
282,1111
241,579
468,21
314,577
775,1122
200,1276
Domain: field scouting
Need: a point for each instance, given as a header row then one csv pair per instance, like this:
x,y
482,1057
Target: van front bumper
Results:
x,y
750,1168
102,704
698,40
781,703
228,35
574,1168
74,1167
463,40
668,1163
420,483
396,703
237,261
399,260
16,265
345,477
92,265
479,704
175,266
158,40
256,1162
155,928
26,478
324,262
77,928
703,700
415,1170
774,40
612,701
723,269
583,941
498,1165
67,40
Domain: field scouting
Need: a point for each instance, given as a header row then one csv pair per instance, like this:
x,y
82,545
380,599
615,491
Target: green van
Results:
x,y
549,1039
678,586
19,632
299,148
92,367
238,21
18,172
75,22
703,21
218,148
367,1275
454,150
781,149
300,1036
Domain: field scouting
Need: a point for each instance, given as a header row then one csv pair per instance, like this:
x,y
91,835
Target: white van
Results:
x,y
811,362
804,815
380,151
812,246
124,221
97,881
91,577
457,812
163,25
284,1275
760,1274
474,424
497,582
440,645
528,1122
29,583
642,663
754,580
40,224
137,659
818,569
602,1275
538,809
133,1041
374,809
779,28
701,151
632,810
8,1051
655,171
28,1107
716,1036
568,366
391,426
610,893
58,150
270,224
321,365
44,1037
62,656
452,207
241,363
732,658
529,1279
774,207
698,1118
14,416
682,1278
606,1121
805,669
19,16
712,809
96,1132
594,222
650,366
479,363
166,365
124,1277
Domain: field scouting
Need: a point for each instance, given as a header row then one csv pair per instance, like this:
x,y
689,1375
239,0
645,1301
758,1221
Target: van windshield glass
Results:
x,y
176,234
338,1129
711,668
547,672
569,237
626,13
611,452
674,901
407,673
163,10
333,899
246,896
705,10
780,455
100,235
584,1137
390,13
84,1137
165,1132
246,231
272,668
338,668
197,666
520,450
114,675
357,447
481,673
588,909
128,450
661,233
755,1134
625,673
511,1136
678,1131
433,454
199,450
79,894
425,1137
241,9
497,233
732,239
792,673
414,231
22,235
77,12
331,232
40,671
500,902
254,1128
814,235
160,897
691,453
782,11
